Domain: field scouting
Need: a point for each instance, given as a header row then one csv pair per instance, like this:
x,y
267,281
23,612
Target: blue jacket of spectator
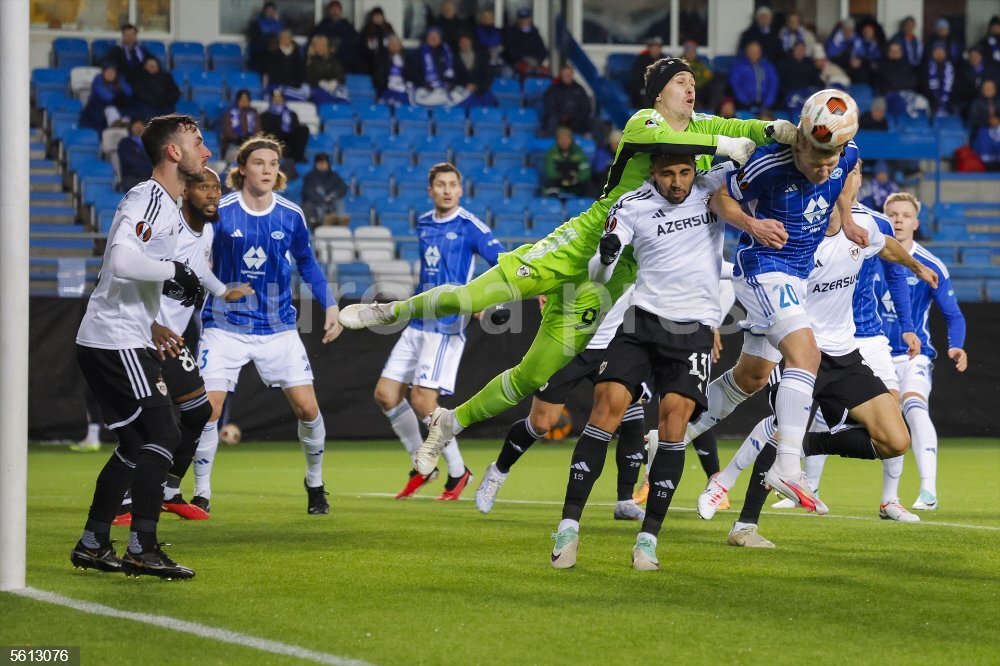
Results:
x,y
838,45
870,51
754,85
102,95
133,161
913,50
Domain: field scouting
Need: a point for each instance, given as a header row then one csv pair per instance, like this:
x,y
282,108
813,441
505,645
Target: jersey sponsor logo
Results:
x,y
255,257
816,209
837,173
887,303
277,235
432,256
835,284
650,123
451,235
670,226
143,231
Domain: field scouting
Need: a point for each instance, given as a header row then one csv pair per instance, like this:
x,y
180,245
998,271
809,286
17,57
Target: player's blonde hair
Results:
x,y
235,179
901,196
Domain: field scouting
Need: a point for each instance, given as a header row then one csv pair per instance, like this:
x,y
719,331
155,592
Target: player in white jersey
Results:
x,y
667,336
425,358
847,390
258,233
113,351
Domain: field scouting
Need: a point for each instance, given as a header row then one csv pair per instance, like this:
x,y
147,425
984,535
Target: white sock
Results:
x,y
456,427
452,456
892,469
925,442
648,536
568,522
761,436
737,526
171,487
312,436
404,423
814,470
723,397
791,409
93,433
203,459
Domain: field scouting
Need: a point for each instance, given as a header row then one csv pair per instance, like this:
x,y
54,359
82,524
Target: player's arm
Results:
x,y
310,271
897,254
643,134
852,183
944,296
770,233
895,278
487,246
619,229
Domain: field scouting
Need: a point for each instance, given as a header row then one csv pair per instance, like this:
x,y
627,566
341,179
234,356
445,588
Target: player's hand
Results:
x,y
716,345
167,342
332,327
782,131
609,247
184,287
770,233
928,276
239,293
912,344
542,300
960,358
499,314
854,233
738,150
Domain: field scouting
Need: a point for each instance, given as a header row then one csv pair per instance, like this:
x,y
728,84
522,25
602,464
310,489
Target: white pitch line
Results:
x,y
193,628
791,514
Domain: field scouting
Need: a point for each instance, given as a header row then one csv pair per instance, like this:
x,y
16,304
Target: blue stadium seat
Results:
x,y
542,223
428,158
508,162
450,137
238,80
211,103
723,63
337,115
354,278
980,255
968,290
374,182
293,190
507,91
356,147
50,79
411,185
547,206
207,82
467,160
359,208
397,162
55,101
107,202
155,47
489,136
575,206
534,90
187,52
70,52
61,127
993,291
523,120
211,139
862,94
83,137
414,135
188,107
485,116
408,250
359,83
91,169
950,140
509,225
450,119
397,223
375,120
949,123
919,124
225,55
409,117
618,66
100,49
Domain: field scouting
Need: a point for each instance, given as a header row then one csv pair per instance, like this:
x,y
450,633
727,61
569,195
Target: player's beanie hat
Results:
x,y
662,71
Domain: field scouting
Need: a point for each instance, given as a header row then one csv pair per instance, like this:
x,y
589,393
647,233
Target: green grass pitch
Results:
x,y
426,582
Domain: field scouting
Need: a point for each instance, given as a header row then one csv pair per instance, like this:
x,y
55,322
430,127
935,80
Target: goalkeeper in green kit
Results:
x,y
556,266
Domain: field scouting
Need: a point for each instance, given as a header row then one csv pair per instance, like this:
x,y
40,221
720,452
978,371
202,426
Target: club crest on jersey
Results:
x,y
143,231
523,271
610,224
161,386
604,365
451,235
277,235
837,173
855,252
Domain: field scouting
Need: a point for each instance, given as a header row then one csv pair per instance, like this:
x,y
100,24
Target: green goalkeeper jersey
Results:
x,y
563,255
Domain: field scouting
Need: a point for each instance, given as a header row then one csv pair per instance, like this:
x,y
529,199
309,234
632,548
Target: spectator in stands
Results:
x,y
129,55
567,169
832,74
984,108
842,44
133,162
874,118
286,68
604,157
938,80
239,124
908,40
986,144
340,34
262,36
567,104
475,72
709,90
692,23
764,33
876,190
434,73
794,32
110,95
895,72
156,92
753,80
727,108
324,72
864,61
523,46
489,37
389,75
942,36
451,24
283,124
637,76
990,44
323,192
975,70
375,34
799,77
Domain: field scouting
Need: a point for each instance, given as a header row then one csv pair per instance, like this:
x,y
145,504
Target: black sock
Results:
x,y
519,439
630,451
664,477
757,490
588,462
453,480
112,483
708,452
147,484
847,443
144,540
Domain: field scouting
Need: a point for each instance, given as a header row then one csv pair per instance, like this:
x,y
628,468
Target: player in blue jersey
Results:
x,y
257,236
426,356
799,185
914,373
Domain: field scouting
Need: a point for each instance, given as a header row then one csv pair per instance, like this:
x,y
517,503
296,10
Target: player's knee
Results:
x,y
196,417
806,357
423,405
611,400
385,399
544,420
308,411
892,440
528,378
750,378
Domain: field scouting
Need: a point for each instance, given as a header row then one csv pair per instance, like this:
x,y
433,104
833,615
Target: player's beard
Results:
x,y
190,167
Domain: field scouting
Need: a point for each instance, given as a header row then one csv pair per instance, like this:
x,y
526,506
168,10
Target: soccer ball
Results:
x,y
230,434
562,428
829,118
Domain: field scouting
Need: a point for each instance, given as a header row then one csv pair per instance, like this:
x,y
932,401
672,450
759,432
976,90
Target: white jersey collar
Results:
x,y
256,213
435,218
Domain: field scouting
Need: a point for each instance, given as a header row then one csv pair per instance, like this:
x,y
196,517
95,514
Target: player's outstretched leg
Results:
x,y
717,490
521,436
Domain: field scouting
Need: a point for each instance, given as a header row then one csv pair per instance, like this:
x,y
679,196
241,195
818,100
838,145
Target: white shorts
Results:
x,y
280,358
878,356
775,304
914,374
426,359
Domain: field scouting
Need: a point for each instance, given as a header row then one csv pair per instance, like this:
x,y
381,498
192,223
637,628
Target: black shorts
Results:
x,y
124,381
584,365
677,357
842,383
181,374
